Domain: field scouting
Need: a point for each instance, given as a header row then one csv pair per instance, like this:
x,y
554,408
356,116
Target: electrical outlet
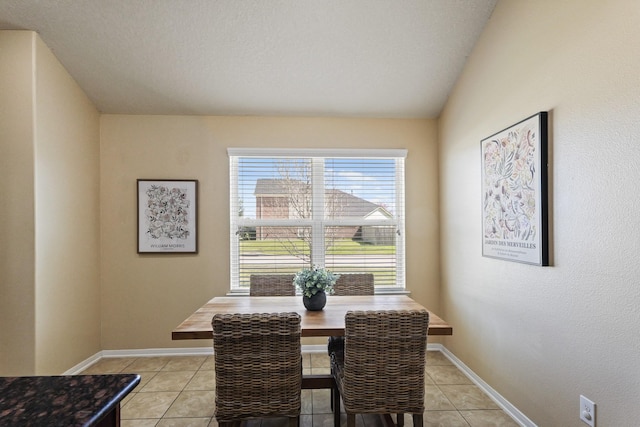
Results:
x,y
587,411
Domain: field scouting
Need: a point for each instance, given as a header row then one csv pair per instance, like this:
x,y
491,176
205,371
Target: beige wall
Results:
x,y
145,296
17,229
67,218
50,217
541,336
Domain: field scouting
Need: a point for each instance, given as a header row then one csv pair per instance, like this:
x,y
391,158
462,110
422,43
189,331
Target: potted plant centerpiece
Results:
x,y
314,283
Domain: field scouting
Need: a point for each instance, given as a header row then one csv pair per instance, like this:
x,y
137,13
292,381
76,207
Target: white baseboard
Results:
x,y
141,352
511,410
190,351
149,352
503,403
84,364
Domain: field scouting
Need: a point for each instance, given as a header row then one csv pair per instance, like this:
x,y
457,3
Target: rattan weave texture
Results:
x,y
382,368
258,366
266,285
350,284
354,284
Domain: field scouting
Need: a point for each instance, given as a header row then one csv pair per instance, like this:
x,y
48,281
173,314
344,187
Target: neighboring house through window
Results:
x,y
281,199
341,209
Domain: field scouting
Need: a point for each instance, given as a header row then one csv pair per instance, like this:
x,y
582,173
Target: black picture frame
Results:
x,y
515,192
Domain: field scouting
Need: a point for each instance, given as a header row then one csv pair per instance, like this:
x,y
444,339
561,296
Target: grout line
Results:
x,y
503,403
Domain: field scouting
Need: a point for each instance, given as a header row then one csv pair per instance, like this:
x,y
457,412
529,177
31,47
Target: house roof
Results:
x,y
276,187
350,205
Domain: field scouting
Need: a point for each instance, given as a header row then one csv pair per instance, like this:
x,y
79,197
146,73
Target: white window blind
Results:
x,y
342,209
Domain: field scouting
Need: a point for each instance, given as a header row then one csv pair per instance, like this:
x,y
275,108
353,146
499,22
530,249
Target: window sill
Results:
x,y
245,292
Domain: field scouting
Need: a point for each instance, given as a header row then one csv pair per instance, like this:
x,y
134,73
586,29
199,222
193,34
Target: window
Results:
x,y
341,209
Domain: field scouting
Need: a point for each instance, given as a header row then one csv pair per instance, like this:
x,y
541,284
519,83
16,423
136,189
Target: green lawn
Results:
x,y
341,247
383,277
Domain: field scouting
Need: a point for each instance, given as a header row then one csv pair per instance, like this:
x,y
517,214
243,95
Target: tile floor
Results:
x,y
179,391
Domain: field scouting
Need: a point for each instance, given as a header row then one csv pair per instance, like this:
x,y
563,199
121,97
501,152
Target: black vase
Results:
x,y
315,302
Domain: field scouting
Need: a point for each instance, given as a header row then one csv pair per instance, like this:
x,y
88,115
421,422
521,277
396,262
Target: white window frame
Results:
x,y
317,225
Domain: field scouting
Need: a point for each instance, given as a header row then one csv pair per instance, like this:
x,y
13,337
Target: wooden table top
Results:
x,y
328,322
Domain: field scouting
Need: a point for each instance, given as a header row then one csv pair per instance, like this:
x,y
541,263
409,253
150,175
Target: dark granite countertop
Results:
x,y
76,400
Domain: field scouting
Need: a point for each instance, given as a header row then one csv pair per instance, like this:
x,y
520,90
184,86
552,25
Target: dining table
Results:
x,y
328,322
323,323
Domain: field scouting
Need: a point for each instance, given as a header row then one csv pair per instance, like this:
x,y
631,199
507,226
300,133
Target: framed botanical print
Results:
x,y
167,216
514,192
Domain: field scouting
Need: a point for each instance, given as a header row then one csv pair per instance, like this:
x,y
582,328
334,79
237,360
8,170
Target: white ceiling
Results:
x,y
353,58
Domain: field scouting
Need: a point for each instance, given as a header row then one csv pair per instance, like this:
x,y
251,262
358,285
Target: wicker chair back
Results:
x,y
271,285
354,284
258,366
382,368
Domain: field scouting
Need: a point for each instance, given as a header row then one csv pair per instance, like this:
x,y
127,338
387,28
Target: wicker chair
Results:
x,y
354,284
382,368
266,285
258,366
350,284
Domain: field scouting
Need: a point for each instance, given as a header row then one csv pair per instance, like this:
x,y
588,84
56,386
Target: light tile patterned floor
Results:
x,y
179,391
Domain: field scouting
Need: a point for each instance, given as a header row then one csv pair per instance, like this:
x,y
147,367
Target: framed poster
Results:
x,y
167,216
514,192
